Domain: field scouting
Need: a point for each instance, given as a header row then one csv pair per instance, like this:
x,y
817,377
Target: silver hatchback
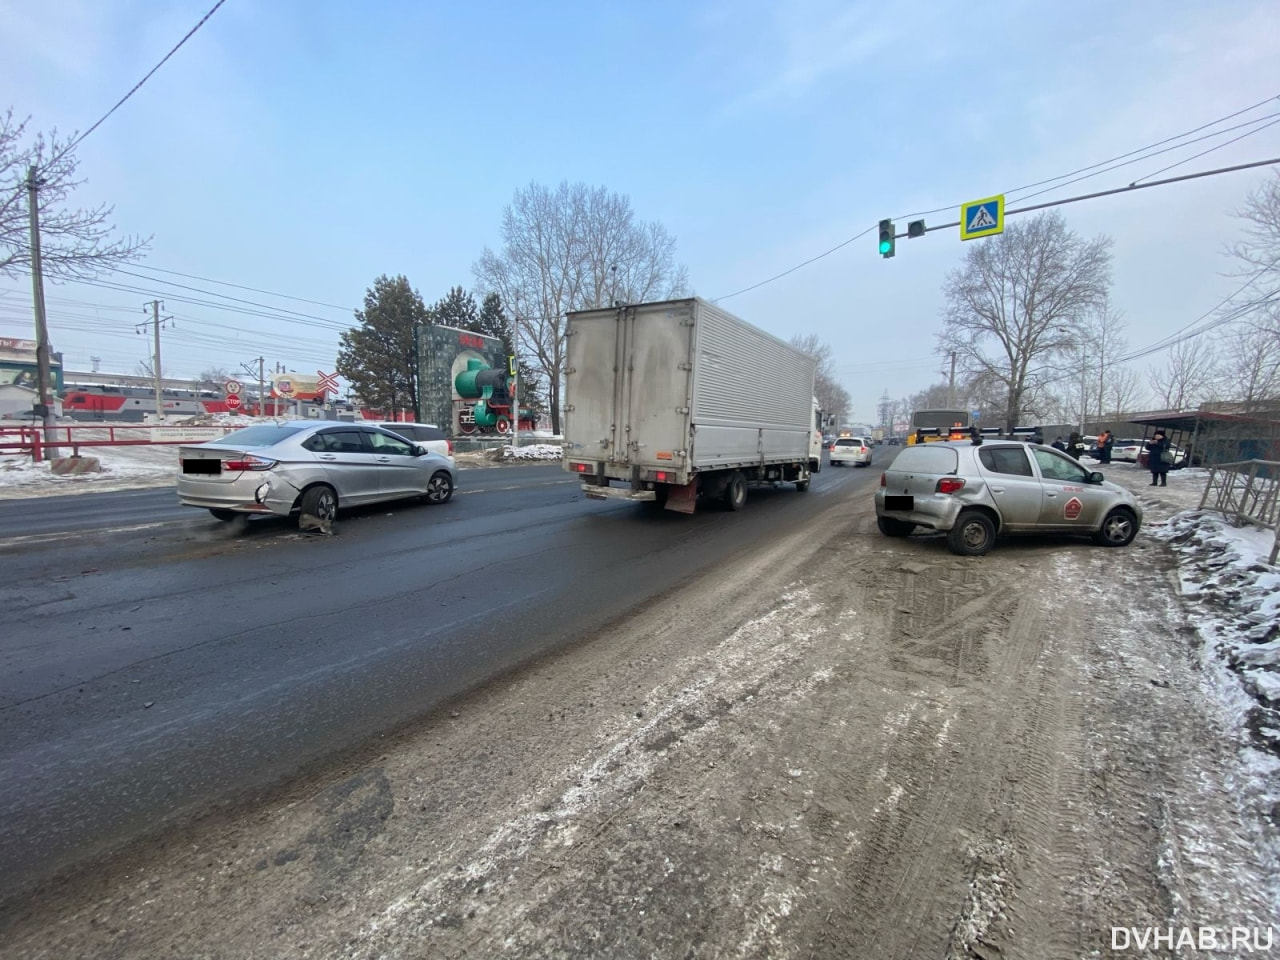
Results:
x,y
310,468
976,492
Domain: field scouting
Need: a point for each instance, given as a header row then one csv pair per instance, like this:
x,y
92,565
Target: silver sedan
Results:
x,y
310,468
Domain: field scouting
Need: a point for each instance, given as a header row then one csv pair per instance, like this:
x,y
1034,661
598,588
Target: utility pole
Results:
x,y
44,372
951,386
262,404
156,322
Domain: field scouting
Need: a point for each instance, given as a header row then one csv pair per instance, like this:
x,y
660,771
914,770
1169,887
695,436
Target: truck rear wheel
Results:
x,y
735,491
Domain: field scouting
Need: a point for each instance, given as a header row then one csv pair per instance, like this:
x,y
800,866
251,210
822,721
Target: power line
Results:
x,y
1103,163
224,283
69,147
1098,172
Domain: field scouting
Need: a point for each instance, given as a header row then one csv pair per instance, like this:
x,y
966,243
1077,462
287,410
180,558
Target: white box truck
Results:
x,y
677,400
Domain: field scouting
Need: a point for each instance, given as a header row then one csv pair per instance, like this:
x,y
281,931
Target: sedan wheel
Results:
x,y
223,515
1119,529
321,503
439,488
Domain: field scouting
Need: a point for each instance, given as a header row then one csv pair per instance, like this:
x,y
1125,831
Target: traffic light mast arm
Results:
x,y
1131,187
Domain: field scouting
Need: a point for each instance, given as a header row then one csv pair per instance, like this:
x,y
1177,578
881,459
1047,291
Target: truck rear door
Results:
x,y
629,389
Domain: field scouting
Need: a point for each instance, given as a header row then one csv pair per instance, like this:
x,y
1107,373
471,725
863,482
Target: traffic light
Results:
x,y
886,238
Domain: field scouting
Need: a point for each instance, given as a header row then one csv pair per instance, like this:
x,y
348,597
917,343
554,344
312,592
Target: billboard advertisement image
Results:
x,y
464,382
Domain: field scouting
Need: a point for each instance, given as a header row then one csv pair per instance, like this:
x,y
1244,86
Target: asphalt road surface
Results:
x,y
158,661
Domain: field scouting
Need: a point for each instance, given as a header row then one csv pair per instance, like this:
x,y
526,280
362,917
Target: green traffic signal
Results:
x,y
887,241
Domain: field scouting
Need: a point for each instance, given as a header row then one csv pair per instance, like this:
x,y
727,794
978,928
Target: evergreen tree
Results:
x,y
378,357
457,308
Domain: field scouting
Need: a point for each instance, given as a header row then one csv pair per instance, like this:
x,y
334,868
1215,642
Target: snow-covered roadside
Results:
x,y
1231,596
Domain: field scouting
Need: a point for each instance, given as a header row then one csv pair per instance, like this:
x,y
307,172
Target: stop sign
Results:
x,y
233,401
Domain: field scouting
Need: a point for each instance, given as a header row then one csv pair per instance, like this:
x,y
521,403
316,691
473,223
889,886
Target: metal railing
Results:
x,y
36,441
1248,491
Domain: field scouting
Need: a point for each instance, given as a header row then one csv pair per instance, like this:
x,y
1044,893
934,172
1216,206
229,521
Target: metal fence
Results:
x,y
1249,492
39,442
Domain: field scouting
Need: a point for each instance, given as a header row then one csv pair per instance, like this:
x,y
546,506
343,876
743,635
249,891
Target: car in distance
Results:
x,y
975,493
1127,450
427,434
309,468
855,450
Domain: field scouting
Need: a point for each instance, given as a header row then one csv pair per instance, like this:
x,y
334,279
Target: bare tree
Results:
x,y
832,398
1186,377
570,249
213,378
1251,366
1123,393
74,243
1017,302
1251,355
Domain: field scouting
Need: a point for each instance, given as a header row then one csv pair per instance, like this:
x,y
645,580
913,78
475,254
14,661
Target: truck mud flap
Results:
x,y
682,499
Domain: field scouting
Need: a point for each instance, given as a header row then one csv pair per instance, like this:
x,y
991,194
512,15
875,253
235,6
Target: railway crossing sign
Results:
x,y
233,401
982,218
328,381
233,387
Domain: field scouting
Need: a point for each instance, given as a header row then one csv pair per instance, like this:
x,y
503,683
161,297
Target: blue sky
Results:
x,y
307,147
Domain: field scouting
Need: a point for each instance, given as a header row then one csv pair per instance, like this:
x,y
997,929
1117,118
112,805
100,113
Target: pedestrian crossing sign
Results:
x,y
982,218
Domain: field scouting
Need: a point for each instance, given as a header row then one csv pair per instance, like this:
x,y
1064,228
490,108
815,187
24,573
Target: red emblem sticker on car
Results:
x,y
1073,508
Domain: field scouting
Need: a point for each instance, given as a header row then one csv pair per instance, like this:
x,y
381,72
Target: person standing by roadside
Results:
x,y
1075,447
1156,463
1105,440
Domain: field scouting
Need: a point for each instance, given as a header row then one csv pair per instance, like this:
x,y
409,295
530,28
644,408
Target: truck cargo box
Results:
x,y
680,387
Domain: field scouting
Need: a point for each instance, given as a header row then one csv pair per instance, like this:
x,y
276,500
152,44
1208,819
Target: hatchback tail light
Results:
x,y
949,485
248,462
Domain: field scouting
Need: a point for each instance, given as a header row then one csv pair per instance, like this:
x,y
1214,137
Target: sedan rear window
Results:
x,y
263,434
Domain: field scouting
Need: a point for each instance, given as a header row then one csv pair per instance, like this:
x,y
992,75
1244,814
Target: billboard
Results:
x,y
296,386
462,381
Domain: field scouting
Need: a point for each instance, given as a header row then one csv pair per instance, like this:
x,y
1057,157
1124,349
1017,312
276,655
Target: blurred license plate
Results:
x,y
899,503
201,466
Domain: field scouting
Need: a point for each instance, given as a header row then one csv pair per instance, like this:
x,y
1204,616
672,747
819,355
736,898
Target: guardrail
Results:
x,y
1249,491
38,441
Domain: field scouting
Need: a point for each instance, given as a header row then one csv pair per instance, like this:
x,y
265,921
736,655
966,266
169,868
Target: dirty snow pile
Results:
x,y
535,451
1235,594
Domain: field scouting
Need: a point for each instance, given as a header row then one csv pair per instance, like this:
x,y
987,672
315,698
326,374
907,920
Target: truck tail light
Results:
x,y
580,467
949,485
663,477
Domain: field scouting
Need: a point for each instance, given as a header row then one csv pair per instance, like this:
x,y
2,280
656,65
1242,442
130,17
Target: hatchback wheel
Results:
x,y
1118,529
973,535
439,488
320,502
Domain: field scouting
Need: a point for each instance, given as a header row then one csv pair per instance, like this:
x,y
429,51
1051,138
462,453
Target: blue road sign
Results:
x,y
982,218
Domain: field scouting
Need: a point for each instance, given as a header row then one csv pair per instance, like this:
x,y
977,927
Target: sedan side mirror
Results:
x,y
420,449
